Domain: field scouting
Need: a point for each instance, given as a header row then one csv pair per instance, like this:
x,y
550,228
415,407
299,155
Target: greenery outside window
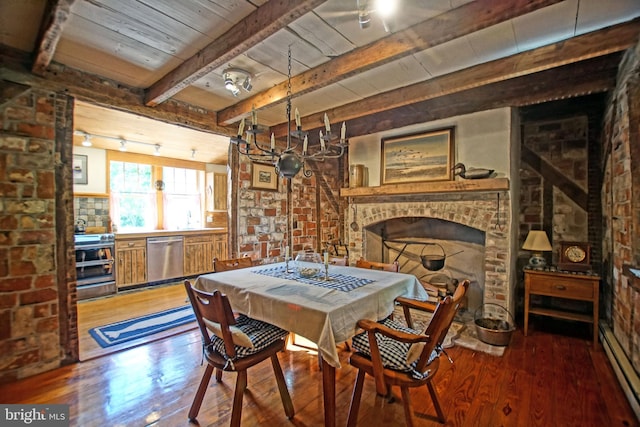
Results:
x,y
138,203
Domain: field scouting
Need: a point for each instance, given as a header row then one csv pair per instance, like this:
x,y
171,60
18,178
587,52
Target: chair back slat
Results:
x,y
441,322
375,265
231,264
214,307
342,260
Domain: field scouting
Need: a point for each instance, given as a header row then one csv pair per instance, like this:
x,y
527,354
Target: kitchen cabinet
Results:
x,y
199,251
131,262
220,249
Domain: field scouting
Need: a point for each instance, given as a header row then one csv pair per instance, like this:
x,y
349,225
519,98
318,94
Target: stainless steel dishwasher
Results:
x,y
165,258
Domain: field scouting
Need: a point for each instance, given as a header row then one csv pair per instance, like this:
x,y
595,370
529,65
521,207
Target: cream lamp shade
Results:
x,y
537,242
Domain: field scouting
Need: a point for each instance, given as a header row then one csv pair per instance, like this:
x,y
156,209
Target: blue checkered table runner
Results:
x,y
339,282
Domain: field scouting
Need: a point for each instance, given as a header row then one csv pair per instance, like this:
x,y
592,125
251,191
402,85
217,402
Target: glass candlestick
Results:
x,y
286,264
326,271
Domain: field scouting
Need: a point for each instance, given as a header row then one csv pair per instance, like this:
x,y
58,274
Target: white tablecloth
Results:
x,y
324,316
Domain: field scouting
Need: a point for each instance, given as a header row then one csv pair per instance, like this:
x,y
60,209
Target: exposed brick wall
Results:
x,y
30,298
563,144
313,211
620,201
476,210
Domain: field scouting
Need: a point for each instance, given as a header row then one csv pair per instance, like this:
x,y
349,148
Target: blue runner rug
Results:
x,y
139,327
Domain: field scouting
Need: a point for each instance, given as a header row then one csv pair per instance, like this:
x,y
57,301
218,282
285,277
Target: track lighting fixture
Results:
x,y
157,150
236,78
87,140
123,145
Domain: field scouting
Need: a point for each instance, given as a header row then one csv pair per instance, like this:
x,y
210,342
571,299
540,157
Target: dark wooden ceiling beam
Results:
x,y
257,26
15,67
597,43
56,16
592,76
447,26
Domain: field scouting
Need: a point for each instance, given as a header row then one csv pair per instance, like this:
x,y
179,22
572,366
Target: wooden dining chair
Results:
x,y
395,355
375,265
234,344
231,264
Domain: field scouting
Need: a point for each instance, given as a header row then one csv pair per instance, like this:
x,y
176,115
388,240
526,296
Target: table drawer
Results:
x,y
564,288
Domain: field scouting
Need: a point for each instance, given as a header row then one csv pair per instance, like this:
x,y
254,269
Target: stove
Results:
x,y
95,265
94,239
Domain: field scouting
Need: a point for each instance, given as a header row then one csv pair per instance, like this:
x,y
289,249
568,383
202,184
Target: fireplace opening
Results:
x,y
407,239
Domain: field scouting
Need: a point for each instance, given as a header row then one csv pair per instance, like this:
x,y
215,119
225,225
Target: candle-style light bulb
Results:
x,y
343,131
273,142
297,113
327,126
305,143
241,128
254,117
321,141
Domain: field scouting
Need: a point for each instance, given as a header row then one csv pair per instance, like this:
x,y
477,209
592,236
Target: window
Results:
x,y
132,196
138,203
181,198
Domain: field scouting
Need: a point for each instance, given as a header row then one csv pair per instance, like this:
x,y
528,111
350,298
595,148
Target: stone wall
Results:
x,y
308,206
37,311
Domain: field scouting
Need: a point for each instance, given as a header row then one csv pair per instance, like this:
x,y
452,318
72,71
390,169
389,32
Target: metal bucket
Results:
x,y
493,330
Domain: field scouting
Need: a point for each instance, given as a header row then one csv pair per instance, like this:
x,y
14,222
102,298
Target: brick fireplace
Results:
x,y
477,223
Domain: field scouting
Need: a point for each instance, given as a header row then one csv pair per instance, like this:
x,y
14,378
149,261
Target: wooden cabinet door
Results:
x,y
131,262
198,254
220,250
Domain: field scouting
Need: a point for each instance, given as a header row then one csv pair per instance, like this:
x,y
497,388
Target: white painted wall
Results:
x,y
96,171
482,139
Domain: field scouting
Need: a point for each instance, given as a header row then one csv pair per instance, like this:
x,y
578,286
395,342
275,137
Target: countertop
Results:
x,y
156,233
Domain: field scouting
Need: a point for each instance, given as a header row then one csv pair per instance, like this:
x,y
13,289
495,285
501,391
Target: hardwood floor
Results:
x,y
545,379
124,306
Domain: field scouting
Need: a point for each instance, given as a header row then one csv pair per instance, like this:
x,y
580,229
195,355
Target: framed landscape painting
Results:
x,y
264,177
426,156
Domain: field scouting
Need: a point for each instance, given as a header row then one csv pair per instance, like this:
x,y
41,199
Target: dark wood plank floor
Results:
x,y
545,379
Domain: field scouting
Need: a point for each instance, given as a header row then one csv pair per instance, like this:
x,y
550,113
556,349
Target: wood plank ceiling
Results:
x,y
164,60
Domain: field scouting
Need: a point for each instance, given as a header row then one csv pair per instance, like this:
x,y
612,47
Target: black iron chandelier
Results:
x,y
289,161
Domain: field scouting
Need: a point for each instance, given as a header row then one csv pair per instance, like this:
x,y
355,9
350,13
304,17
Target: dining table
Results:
x,y
324,308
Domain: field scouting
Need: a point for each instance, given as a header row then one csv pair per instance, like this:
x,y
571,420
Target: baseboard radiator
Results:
x,y
627,376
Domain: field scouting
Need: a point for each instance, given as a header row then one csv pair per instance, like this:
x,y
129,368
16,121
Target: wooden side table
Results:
x,y
559,284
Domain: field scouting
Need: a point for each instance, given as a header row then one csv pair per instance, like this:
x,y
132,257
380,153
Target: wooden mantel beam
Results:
x,y
591,45
455,23
257,26
53,23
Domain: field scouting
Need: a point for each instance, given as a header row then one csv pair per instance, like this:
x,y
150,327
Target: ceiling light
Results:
x,y
193,153
123,145
386,8
236,78
157,150
87,141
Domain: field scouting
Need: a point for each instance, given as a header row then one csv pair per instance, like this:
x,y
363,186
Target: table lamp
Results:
x,y
537,242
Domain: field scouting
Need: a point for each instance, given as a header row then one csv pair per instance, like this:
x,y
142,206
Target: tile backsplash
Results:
x,y
93,210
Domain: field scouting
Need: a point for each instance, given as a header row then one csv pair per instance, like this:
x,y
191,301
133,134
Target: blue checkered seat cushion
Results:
x,y
261,335
392,352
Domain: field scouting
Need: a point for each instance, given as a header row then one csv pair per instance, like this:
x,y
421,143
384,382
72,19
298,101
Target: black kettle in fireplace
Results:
x,y
80,227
